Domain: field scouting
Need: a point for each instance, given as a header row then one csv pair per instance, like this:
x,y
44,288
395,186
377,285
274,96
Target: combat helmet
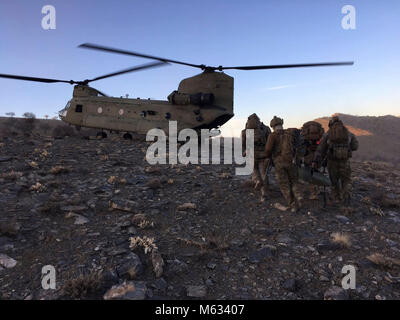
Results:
x,y
253,121
276,122
333,120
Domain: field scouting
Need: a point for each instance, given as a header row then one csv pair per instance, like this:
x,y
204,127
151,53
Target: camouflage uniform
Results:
x,y
311,147
285,170
339,170
258,176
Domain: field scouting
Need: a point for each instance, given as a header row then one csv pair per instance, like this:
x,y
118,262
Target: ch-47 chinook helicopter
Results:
x,y
204,101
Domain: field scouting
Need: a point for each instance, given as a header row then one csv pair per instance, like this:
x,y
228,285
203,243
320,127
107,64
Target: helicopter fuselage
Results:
x,y
203,101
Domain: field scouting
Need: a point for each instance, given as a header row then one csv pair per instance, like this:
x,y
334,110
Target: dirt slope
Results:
x,y
74,204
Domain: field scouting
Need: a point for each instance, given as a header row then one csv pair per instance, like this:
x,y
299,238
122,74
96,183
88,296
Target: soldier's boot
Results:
x,y
346,194
314,193
294,207
298,196
335,195
297,205
287,195
346,198
264,190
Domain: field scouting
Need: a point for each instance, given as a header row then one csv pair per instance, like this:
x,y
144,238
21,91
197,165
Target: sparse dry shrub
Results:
x,y
380,260
146,243
11,176
33,164
59,170
213,242
112,179
44,153
116,180
37,187
153,169
82,286
145,224
341,239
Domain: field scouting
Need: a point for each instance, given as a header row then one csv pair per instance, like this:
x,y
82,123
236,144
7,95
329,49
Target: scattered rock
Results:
x,y
131,267
343,219
160,285
211,265
132,230
158,263
81,220
261,254
291,285
327,246
284,238
336,293
10,229
74,208
186,206
176,266
123,205
153,184
196,291
130,290
280,207
7,262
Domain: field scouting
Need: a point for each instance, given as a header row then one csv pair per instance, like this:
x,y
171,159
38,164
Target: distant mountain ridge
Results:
x,y
379,137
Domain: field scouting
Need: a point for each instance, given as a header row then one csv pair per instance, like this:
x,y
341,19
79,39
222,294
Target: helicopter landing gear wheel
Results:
x,y
127,136
101,135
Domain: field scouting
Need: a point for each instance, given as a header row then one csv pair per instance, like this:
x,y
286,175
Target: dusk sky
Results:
x,y
218,32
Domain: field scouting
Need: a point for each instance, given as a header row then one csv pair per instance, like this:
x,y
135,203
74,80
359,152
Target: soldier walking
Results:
x,y
312,133
261,133
282,148
337,146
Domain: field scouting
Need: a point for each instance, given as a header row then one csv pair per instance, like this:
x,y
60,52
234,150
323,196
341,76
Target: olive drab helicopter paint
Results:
x,y
204,101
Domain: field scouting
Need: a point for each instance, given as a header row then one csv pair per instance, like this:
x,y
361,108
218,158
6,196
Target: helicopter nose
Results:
x,y
62,113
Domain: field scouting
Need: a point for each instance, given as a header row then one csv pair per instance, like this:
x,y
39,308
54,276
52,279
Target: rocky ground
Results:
x,y
115,227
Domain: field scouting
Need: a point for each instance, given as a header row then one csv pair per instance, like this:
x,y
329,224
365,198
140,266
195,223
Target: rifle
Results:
x,y
268,169
324,192
323,172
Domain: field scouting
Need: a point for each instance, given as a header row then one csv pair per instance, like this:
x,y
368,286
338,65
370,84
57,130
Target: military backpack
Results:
x,y
312,130
339,141
289,146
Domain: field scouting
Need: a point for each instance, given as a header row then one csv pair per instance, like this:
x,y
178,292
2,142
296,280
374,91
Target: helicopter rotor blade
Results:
x,y
136,68
284,66
136,54
12,76
100,93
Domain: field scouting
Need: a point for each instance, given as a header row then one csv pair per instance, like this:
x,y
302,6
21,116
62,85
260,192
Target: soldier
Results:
x,y
261,132
312,133
282,147
337,146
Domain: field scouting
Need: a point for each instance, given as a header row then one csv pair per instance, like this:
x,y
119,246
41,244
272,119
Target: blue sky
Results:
x,y
218,32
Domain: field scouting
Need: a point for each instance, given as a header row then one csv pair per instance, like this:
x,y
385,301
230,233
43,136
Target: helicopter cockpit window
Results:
x,y
78,108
